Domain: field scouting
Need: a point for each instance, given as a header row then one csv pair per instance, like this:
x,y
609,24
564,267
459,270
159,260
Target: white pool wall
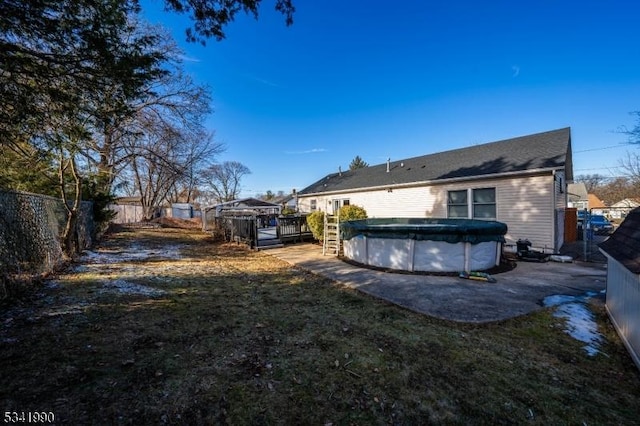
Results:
x,y
424,255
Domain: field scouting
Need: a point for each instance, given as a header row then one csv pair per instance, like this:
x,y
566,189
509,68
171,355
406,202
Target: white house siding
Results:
x,y
402,202
527,207
623,305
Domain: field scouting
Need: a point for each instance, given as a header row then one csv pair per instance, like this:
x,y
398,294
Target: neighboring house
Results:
x,y
622,250
577,196
519,181
597,206
289,202
620,209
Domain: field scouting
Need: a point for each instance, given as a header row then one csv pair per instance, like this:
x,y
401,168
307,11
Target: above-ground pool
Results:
x,y
423,244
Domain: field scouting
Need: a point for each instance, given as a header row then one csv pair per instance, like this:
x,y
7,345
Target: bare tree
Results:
x,y
224,179
634,133
164,161
592,182
168,96
199,152
631,167
618,189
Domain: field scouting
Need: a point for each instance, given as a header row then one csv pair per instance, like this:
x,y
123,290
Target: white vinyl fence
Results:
x,y
623,305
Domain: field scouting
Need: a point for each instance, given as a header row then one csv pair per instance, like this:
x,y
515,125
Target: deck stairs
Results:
x,y
331,244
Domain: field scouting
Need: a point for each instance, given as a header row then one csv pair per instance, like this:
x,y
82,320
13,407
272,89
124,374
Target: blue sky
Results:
x,y
401,79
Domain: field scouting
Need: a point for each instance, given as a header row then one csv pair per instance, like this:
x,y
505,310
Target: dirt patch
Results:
x,y
163,326
172,222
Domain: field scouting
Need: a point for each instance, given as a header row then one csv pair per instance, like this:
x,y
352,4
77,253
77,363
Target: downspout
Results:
x,y
553,213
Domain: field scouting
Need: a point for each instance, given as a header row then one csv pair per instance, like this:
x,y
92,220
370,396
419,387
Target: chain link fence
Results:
x,y
30,229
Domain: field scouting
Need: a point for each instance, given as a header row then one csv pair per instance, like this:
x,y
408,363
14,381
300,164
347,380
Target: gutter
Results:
x,y
431,182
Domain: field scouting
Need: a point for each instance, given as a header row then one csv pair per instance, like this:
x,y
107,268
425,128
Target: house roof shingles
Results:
x,y
577,192
548,150
595,202
624,244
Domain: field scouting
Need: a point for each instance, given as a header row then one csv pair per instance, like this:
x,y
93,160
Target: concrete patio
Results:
x,y
517,292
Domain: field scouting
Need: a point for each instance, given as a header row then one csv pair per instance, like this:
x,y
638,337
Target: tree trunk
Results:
x,y
70,240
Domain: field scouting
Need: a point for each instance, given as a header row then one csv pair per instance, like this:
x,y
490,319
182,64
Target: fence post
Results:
x,y
585,225
254,223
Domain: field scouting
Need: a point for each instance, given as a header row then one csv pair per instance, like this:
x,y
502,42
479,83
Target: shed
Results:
x,y
622,250
182,210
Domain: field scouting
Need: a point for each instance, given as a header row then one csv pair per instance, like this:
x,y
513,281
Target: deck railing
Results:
x,y
244,229
239,229
293,229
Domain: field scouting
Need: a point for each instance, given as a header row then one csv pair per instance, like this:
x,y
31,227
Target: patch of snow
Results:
x,y
580,323
132,253
124,287
557,299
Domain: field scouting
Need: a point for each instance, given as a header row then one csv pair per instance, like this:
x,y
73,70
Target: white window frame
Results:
x,y
458,205
471,204
474,204
336,203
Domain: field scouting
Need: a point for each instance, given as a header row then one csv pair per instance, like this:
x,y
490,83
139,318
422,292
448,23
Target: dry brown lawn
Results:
x,y
166,326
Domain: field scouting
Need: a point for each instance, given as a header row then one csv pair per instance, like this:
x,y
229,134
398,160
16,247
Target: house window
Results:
x,y
339,203
313,205
482,206
457,204
484,203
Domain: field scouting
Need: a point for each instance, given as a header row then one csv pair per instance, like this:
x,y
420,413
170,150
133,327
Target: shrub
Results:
x,y
315,221
351,212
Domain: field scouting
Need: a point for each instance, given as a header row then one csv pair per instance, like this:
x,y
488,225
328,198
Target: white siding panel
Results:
x,y
525,205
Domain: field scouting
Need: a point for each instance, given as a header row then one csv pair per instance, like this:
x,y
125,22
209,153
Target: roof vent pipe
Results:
x,y
340,170
388,164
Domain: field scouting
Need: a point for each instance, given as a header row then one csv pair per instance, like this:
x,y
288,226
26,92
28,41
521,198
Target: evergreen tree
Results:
x,y
358,163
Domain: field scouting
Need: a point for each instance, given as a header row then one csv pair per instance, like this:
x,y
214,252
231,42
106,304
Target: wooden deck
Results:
x,y
248,230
